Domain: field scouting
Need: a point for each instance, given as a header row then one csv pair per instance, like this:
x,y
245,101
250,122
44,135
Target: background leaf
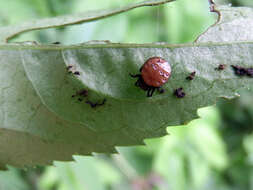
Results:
x,y
11,31
234,24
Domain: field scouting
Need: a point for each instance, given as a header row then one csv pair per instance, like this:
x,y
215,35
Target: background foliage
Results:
x,y
213,152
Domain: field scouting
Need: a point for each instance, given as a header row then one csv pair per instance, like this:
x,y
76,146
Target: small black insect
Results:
x,y
93,105
191,76
76,73
80,99
220,67
179,93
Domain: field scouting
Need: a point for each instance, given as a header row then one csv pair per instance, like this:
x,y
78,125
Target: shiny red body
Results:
x,y
155,72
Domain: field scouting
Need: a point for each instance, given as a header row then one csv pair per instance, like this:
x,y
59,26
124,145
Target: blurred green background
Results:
x,y
214,152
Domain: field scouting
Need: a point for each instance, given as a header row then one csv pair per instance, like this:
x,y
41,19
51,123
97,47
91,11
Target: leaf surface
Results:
x,y
40,121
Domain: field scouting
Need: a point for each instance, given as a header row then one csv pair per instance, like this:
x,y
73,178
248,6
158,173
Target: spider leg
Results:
x,y
150,92
160,90
140,69
138,83
134,76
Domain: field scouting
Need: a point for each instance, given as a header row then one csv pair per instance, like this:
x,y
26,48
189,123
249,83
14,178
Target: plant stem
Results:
x,y
212,6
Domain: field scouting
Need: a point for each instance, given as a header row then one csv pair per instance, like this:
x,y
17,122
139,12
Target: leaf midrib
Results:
x,y
14,46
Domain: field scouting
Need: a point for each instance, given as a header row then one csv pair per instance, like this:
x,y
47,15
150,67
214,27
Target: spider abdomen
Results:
x,y
156,71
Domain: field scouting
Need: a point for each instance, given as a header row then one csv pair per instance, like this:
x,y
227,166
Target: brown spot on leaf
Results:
x,y
220,67
69,67
56,43
179,93
96,104
241,71
82,93
76,73
191,76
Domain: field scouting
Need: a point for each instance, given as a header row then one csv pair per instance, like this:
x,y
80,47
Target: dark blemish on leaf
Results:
x,y
155,72
80,99
220,67
250,72
82,93
191,76
93,105
240,71
56,43
69,67
179,93
103,102
76,73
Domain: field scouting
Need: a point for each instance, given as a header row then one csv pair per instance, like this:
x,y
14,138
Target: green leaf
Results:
x,y
11,31
31,134
233,24
185,153
41,121
12,179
